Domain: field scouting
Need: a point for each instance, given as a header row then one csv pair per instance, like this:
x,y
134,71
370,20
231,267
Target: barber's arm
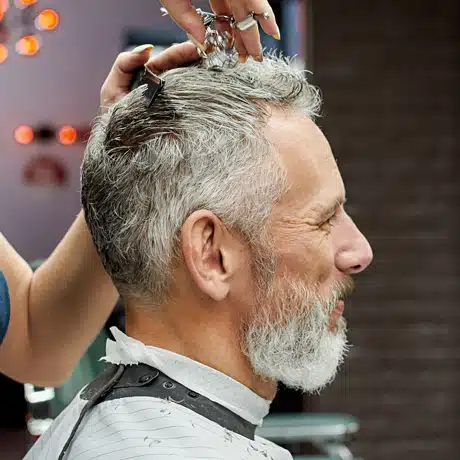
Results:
x,y
57,311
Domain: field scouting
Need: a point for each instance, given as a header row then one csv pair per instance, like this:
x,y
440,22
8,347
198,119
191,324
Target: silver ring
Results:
x,y
265,15
250,20
245,23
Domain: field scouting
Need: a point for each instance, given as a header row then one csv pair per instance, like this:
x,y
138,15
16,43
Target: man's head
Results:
x,y
224,198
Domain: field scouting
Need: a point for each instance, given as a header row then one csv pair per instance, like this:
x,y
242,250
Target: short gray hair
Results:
x,y
199,146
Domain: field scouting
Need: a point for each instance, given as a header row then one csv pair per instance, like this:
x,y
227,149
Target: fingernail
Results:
x,y
259,58
276,36
199,45
242,59
142,48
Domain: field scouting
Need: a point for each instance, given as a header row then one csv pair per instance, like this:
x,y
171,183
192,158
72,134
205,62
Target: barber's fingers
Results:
x,y
186,16
120,76
251,37
129,61
222,7
269,26
247,42
173,57
118,82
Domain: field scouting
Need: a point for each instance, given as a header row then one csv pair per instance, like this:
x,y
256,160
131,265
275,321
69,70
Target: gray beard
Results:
x,y
288,339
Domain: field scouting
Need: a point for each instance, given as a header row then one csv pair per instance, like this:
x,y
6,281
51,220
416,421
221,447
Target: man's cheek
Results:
x,y
310,261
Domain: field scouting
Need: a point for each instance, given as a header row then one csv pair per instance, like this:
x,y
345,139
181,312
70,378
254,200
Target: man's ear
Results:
x,y
207,250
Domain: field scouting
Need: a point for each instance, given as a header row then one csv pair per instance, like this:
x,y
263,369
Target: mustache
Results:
x,y
344,288
340,291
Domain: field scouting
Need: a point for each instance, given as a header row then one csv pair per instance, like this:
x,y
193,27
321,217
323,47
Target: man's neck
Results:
x,y
210,338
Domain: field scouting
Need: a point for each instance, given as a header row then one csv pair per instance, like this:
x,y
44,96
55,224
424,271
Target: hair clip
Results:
x,y
144,76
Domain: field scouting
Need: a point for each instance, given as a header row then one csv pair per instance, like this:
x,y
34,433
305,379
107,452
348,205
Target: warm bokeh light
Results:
x,y
25,3
24,134
47,20
3,8
3,53
67,135
28,45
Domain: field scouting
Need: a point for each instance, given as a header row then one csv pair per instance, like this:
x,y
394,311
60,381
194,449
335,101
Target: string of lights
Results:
x,y
21,25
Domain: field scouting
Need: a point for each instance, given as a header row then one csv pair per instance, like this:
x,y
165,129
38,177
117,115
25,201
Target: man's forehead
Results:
x,y
306,155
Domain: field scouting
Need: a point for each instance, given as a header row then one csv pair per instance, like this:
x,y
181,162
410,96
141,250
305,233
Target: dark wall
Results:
x,y
389,72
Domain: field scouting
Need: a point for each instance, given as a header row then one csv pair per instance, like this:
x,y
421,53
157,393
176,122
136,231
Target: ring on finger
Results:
x,y
249,21
258,16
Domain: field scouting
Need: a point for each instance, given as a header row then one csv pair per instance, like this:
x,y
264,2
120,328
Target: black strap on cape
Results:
x,y
120,381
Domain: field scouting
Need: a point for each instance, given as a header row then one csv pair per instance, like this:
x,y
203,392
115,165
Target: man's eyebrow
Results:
x,y
330,210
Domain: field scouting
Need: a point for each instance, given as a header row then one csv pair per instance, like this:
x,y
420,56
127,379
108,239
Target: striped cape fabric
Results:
x,y
149,428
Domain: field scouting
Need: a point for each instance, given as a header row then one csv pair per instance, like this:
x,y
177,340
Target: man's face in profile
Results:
x,y
296,333
221,220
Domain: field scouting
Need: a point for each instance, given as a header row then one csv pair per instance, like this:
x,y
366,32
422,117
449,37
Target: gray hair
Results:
x,y
199,146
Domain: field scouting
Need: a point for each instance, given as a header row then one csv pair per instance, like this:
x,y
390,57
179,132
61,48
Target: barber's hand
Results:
x,y
118,81
247,42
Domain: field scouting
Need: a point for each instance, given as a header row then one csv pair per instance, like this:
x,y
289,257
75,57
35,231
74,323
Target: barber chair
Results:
x,y
328,433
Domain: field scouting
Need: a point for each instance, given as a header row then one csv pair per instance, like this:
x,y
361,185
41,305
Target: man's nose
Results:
x,y
355,253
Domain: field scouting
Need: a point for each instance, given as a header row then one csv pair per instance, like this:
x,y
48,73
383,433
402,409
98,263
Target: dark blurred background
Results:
x,y
389,72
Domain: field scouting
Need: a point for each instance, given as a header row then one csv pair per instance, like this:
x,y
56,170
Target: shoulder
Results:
x,y
277,452
4,307
139,427
150,428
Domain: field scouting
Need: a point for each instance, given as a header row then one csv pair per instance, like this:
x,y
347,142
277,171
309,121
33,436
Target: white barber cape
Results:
x,y
150,428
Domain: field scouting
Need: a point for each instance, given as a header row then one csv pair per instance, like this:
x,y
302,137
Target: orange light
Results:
x,y
28,45
67,135
3,8
47,20
25,3
3,53
24,134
